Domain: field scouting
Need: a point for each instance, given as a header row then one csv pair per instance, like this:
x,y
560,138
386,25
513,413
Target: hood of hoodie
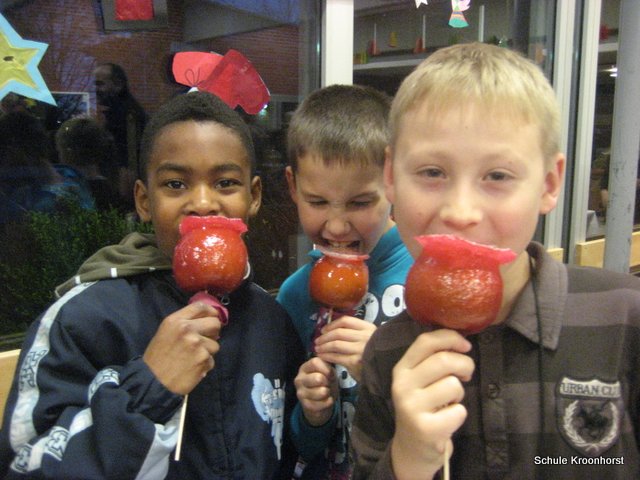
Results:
x,y
137,253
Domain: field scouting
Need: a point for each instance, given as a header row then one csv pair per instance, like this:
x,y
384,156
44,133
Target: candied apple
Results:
x,y
455,283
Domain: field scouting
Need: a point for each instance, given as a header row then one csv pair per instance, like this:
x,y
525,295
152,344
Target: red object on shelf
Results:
x,y
372,48
134,10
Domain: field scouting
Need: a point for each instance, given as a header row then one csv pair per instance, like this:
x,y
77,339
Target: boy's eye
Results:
x,y
498,176
360,203
175,184
227,183
432,172
317,203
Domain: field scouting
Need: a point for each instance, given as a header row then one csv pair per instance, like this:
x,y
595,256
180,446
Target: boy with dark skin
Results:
x,y
105,369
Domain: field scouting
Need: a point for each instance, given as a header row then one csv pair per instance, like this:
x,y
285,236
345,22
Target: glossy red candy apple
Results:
x,y
210,257
455,283
339,280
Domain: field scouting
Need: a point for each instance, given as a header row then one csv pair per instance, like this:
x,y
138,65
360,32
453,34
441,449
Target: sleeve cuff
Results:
x,y
311,440
147,395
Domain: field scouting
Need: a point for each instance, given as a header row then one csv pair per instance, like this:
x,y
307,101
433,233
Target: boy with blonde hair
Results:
x,y
336,143
550,387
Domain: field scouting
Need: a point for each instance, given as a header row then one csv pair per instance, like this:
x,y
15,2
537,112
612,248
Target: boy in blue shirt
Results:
x,y
336,143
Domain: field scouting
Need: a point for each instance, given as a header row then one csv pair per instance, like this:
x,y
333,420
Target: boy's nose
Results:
x,y
460,211
337,224
204,201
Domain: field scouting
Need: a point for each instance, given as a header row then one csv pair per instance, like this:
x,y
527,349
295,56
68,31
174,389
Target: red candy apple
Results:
x,y
211,257
455,283
339,280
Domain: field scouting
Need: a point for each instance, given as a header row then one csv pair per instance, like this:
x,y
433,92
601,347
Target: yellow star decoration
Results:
x,y
14,62
19,60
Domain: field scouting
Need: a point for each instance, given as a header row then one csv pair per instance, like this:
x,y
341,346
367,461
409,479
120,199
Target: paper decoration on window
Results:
x,y
231,77
457,19
393,39
420,2
19,61
134,10
372,45
419,46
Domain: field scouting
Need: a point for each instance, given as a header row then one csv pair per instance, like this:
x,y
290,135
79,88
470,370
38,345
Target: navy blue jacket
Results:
x,y
85,405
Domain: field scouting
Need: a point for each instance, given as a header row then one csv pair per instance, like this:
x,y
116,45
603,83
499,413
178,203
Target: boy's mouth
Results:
x,y
343,247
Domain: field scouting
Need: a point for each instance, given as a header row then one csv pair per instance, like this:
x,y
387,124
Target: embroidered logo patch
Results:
x,y
268,400
589,414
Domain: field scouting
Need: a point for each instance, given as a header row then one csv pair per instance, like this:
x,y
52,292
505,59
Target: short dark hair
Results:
x,y
83,141
118,75
25,149
23,135
199,107
343,123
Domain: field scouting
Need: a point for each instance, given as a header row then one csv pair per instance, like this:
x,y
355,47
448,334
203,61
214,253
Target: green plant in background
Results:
x,y
44,250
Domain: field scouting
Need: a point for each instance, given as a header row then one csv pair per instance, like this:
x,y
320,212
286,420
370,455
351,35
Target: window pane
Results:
x,y
280,40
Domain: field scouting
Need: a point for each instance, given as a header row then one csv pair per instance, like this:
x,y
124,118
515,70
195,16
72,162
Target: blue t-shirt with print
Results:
x,y
325,449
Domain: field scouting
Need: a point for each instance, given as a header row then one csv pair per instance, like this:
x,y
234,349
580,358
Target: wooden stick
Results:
x,y
183,414
446,462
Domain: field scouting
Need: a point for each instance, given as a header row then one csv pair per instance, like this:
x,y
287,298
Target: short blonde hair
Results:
x,y
498,80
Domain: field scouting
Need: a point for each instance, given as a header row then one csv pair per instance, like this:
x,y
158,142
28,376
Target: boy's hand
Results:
x,y
426,393
343,341
317,389
181,352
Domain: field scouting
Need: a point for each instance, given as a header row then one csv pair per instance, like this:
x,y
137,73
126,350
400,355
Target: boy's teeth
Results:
x,y
340,245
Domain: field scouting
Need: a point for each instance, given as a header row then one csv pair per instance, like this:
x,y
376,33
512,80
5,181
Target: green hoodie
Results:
x,y
137,253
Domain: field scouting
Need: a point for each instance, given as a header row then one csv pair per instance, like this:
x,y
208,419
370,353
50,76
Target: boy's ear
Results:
x,y
142,201
553,181
388,174
256,196
291,182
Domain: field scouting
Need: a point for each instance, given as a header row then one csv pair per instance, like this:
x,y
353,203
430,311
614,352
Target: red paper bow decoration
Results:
x,y
231,77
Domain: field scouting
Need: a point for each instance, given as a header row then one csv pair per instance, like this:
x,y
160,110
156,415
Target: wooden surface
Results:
x,y
8,362
591,253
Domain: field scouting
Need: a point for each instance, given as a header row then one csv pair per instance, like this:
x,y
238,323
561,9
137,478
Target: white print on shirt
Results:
x,y
106,375
344,427
393,300
370,307
344,379
391,303
268,400
54,443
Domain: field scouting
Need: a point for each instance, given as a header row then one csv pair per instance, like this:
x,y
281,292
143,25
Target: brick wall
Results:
x,y
77,43
73,30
